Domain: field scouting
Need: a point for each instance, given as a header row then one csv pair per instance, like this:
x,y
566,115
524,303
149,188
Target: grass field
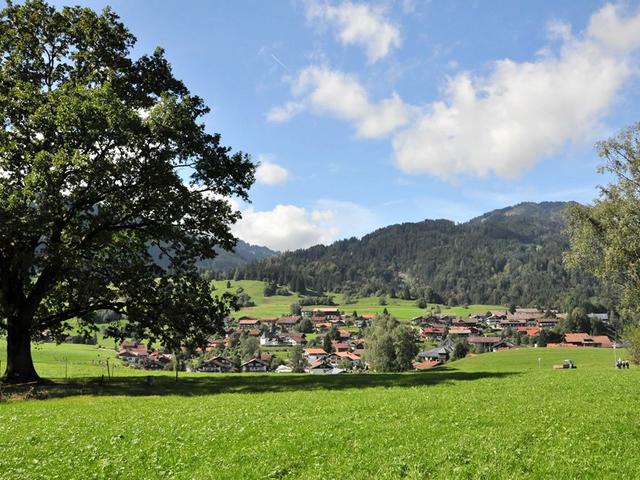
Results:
x,y
278,305
497,415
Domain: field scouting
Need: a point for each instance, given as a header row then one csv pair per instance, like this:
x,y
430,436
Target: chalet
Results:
x,y
460,331
338,323
322,327
248,323
321,367
340,346
504,345
602,341
132,356
357,343
432,333
314,354
547,322
439,353
254,365
133,352
285,323
294,340
217,364
582,339
269,322
327,312
344,357
495,318
270,340
512,323
484,344
345,335
529,331
426,364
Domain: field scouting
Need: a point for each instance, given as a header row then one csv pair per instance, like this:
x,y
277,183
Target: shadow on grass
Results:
x,y
209,384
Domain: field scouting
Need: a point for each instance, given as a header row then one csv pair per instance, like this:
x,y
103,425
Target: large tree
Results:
x,y
104,160
605,236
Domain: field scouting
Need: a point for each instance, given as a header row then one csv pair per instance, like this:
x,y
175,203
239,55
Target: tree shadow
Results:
x,y
211,384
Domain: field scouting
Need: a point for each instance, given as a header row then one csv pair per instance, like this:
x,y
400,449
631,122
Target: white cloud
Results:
x,y
523,111
326,91
358,24
269,173
288,227
502,123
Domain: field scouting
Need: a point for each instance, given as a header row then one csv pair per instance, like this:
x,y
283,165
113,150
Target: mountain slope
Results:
x,y
512,255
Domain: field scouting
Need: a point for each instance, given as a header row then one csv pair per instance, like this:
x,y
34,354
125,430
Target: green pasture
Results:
x,y
496,415
278,305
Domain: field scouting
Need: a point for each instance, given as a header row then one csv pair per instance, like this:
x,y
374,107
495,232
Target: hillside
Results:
x,y
512,255
242,254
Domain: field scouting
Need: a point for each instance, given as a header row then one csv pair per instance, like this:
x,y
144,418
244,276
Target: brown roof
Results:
x,y
315,351
578,337
484,339
426,364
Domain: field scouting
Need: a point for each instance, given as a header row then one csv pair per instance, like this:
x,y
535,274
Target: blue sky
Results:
x,y
368,114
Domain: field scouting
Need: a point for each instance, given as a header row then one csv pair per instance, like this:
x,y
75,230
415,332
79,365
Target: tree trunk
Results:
x,y
20,367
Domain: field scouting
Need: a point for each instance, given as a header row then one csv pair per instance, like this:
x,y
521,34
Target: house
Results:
x,y
547,322
502,346
286,323
426,364
132,357
339,358
314,354
432,333
270,340
217,364
322,327
294,340
460,331
484,344
529,331
322,367
340,346
581,339
246,323
254,365
327,312
603,317
602,341
439,353
269,322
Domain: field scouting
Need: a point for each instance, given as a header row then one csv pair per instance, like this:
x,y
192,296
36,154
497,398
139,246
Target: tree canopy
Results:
x,y
104,158
605,236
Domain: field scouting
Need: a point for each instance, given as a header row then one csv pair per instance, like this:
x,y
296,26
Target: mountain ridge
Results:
x,y
508,255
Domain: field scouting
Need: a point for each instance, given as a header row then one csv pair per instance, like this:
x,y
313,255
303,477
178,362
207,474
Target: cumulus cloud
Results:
x,y
289,227
523,111
269,173
500,123
330,92
358,24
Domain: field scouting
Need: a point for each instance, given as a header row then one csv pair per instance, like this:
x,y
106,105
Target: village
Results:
x,y
327,341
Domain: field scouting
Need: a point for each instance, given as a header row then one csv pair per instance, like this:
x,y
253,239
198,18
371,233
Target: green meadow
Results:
x,y
278,305
498,415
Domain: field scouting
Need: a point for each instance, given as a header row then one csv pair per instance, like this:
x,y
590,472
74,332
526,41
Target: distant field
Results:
x,y
280,305
497,415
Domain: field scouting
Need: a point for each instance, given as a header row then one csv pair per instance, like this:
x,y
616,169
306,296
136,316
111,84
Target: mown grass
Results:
x,y
278,305
497,415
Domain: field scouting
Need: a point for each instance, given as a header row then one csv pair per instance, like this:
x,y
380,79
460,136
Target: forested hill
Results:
x,y
242,254
512,255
